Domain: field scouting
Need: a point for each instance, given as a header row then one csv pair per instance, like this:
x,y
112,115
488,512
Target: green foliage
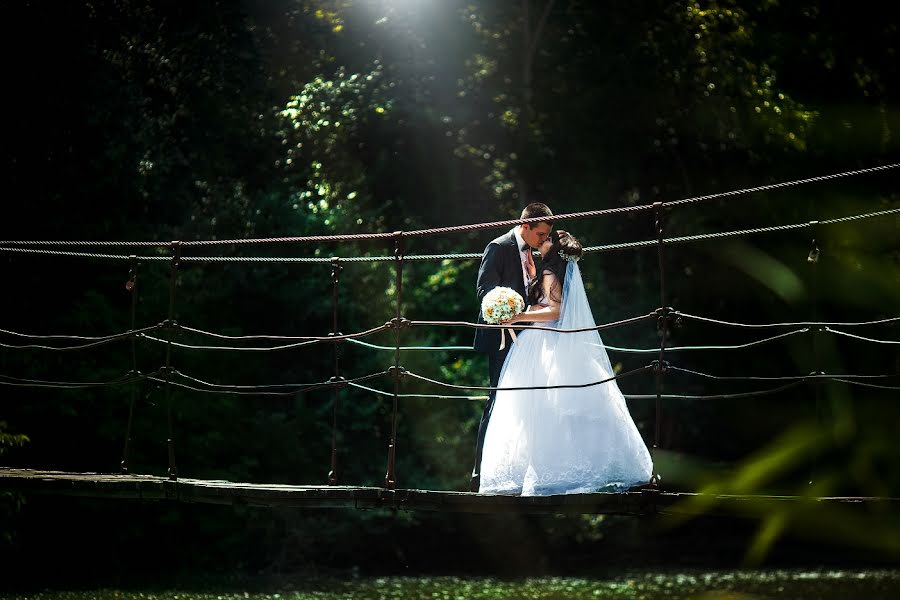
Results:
x,y
10,504
10,440
332,116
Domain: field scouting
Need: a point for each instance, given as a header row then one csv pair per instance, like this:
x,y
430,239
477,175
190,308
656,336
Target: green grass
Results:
x,y
806,584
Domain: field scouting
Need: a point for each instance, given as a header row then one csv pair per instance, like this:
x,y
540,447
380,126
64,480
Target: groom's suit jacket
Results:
x,y
501,265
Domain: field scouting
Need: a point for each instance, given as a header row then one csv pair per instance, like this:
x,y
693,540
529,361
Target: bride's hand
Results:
x,y
512,319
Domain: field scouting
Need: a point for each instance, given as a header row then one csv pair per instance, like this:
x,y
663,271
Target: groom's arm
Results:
x,y
489,272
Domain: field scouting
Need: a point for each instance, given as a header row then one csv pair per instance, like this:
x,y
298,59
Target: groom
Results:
x,y
507,262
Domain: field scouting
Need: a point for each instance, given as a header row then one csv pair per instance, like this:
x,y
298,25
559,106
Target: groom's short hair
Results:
x,y
537,209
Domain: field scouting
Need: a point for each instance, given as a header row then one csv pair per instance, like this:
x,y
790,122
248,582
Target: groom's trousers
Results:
x,y
495,365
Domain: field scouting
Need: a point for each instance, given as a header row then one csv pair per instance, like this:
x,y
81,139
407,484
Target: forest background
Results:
x,y
167,121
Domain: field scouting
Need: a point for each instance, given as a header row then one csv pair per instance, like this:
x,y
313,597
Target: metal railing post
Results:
x,y
663,328
131,287
336,346
812,260
173,280
390,478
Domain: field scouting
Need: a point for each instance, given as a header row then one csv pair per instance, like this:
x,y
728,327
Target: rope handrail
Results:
x,y
413,348
130,332
94,344
260,389
310,340
463,256
607,346
869,385
352,337
9,380
453,228
206,391
317,338
432,396
245,259
678,313
298,387
754,394
811,376
757,393
859,337
692,348
230,348
737,233
471,325
524,388
229,385
784,184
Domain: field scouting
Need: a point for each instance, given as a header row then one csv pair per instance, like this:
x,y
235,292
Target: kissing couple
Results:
x,y
564,440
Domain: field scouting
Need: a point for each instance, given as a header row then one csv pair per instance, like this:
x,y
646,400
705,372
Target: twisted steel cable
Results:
x,y
432,396
72,385
453,228
429,257
537,387
779,378
319,338
471,325
869,385
859,337
679,313
784,184
231,348
757,393
255,390
111,336
94,344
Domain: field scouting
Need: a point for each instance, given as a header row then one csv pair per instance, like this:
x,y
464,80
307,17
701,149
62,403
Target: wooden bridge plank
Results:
x,y
642,502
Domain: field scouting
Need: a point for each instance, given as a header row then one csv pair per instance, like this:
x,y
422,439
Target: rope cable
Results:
x,y
767,392
679,313
779,378
537,387
436,396
130,332
74,385
859,337
456,228
429,257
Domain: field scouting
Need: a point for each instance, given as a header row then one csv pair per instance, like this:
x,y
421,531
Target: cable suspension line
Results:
x,y
455,228
436,257
685,315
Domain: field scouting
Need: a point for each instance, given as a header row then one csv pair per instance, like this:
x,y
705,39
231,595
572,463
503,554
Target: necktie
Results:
x,y
529,263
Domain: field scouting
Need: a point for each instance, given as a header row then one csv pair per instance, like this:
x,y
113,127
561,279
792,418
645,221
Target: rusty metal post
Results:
x,y
390,478
131,287
663,327
173,279
812,260
335,280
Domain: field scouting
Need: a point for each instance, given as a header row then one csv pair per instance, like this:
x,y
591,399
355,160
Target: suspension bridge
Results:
x,y
648,499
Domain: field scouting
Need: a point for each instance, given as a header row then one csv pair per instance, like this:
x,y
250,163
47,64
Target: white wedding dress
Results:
x,y
568,440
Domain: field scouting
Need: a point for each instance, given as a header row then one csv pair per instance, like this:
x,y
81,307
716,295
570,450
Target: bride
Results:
x,y
568,440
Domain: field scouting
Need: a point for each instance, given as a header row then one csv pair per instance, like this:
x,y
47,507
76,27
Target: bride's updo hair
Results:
x,y
565,243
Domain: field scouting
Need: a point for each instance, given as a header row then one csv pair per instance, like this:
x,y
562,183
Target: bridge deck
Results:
x,y
150,487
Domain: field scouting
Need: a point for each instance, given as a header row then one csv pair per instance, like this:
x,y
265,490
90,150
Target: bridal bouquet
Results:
x,y
501,304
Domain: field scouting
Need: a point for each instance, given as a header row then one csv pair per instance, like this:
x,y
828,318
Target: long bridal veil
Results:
x,y
575,313
564,440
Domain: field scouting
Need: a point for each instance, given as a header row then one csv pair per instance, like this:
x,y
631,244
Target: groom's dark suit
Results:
x,y
501,265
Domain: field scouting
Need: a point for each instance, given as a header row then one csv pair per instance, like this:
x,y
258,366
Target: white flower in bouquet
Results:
x,y
501,304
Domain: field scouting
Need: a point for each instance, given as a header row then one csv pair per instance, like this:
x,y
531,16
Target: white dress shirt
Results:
x,y
524,259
